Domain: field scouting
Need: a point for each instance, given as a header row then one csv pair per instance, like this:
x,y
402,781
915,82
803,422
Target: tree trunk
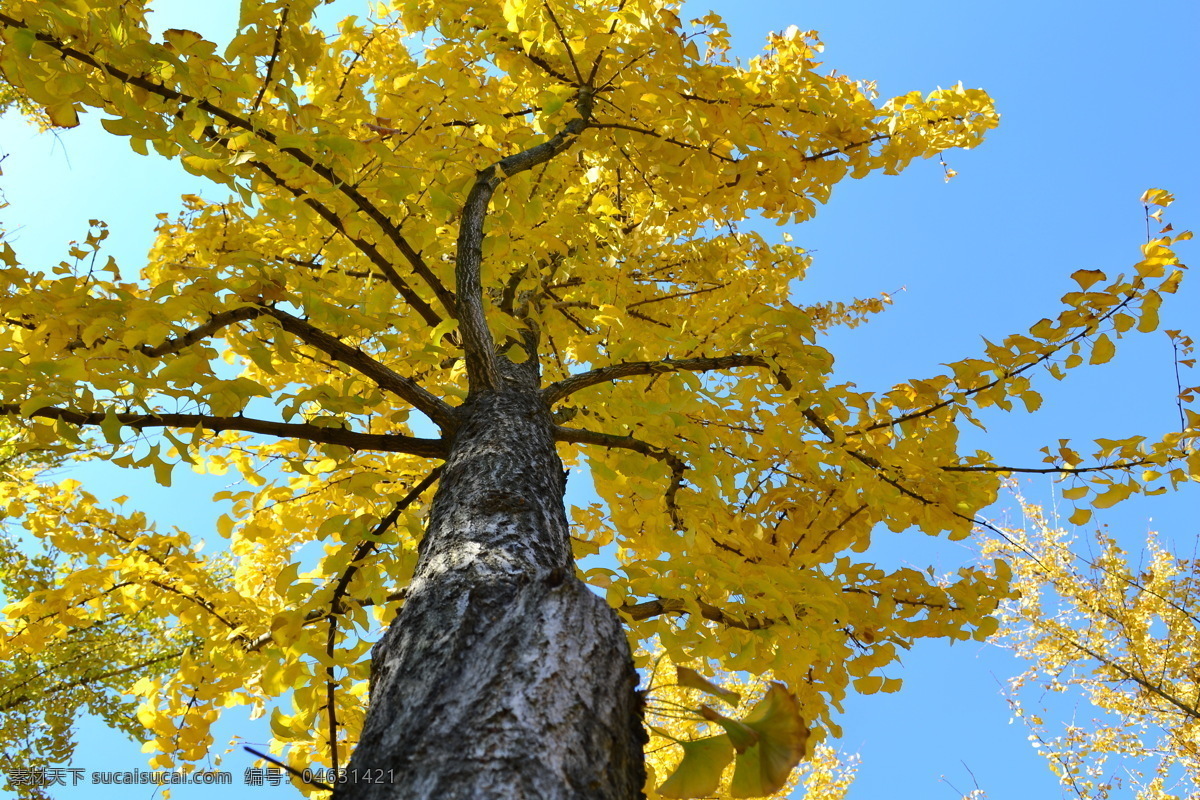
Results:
x,y
503,676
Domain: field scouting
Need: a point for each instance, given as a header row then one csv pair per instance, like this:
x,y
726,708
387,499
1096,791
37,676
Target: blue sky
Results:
x,y
1099,102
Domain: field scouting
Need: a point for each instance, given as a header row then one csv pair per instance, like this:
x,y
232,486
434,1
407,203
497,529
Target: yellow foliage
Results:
x,y
1118,631
627,156
675,714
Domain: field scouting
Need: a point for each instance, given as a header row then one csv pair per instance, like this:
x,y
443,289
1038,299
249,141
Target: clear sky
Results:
x,y
1099,102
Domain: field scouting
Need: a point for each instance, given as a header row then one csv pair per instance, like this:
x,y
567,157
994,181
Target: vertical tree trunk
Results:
x,y
503,676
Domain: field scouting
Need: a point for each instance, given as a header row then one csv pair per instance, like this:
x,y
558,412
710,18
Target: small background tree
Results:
x,y
205,230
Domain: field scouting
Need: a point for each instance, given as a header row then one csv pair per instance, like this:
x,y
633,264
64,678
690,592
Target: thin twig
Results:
x,y
388,443
273,58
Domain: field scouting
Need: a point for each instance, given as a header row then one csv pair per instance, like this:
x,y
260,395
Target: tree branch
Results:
x,y
222,319
1047,470
659,606
199,600
1188,709
833,151
303,777
793,109
387,378
387,443
262,90
338,183
562,37
564,388
318,614
654,608
361,551
63,686
364,547
568,386
1051,350
366,248
677,465
670,140
478,345
537,61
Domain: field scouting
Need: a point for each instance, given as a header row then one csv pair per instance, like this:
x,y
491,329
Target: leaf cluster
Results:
x,y
417,201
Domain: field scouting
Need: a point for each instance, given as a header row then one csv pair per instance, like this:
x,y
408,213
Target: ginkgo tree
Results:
x,y
86,670
1120,631
529,226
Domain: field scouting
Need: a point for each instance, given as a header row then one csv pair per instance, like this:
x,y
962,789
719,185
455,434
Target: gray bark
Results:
x,y
502,676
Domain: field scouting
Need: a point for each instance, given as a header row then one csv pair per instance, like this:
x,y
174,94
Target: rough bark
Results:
x,y
503,676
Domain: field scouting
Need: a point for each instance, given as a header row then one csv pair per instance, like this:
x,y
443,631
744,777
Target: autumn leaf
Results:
x,y
1102,350
693,680
764,767
699,773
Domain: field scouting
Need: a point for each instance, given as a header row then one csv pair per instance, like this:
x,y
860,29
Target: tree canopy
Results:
x,y
1119,631
421,207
